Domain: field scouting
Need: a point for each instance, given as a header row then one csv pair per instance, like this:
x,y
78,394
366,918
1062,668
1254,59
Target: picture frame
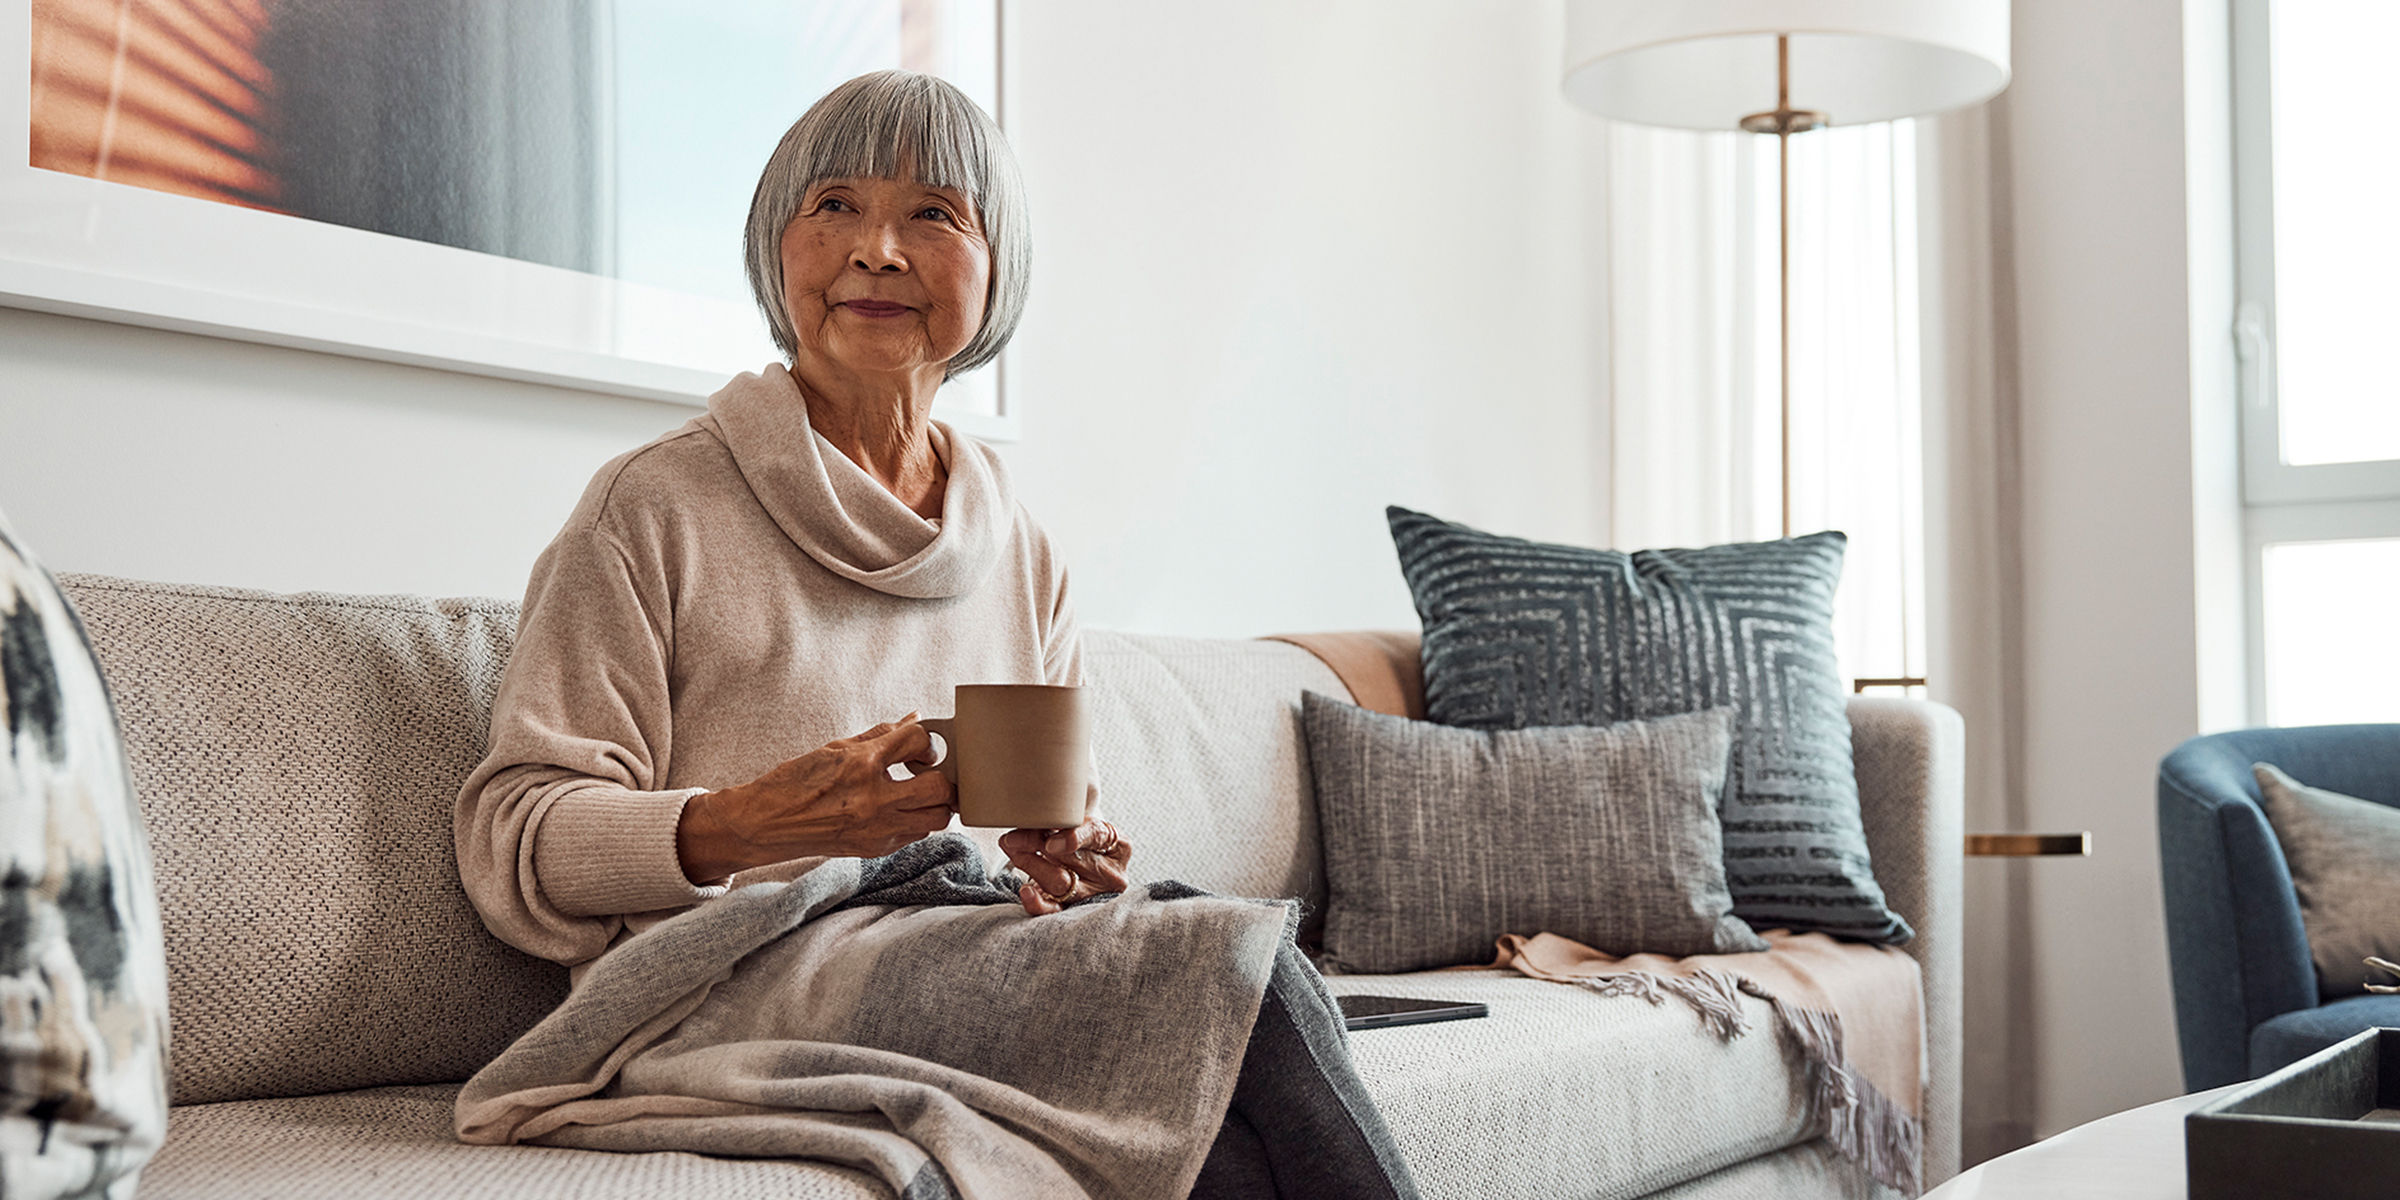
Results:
x,y
92,247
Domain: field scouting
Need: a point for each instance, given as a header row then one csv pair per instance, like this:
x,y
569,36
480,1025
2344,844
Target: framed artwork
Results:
x,y
543,190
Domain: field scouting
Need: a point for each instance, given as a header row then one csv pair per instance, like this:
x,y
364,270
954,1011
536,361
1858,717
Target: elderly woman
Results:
x,y
719,666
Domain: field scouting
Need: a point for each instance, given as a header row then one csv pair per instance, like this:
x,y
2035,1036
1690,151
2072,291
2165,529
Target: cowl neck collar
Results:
x,y
837,513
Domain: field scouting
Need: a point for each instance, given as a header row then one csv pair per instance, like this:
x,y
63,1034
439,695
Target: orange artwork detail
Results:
x,y
168,95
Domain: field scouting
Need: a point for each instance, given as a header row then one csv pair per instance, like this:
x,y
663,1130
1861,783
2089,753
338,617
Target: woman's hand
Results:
x,y
1062,866
839,799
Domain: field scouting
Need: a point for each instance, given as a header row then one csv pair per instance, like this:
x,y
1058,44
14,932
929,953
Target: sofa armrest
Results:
x,y
1910,756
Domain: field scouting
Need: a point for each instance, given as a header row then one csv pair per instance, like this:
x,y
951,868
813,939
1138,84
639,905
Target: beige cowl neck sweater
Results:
x,y
730,595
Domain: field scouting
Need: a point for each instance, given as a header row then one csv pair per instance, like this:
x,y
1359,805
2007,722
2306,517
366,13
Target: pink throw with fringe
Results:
x,y
1854,1011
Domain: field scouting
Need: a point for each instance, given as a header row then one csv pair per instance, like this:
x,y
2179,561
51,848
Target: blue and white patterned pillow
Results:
x,y
83,970
1521,633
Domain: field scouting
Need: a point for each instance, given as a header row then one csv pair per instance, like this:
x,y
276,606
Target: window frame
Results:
x,y
2281,503
2266,478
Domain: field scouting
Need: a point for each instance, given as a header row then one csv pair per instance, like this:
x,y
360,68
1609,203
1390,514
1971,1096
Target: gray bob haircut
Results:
x,y
876,126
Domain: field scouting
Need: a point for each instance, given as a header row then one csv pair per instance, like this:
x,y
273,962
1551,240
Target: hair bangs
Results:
x,y
903,133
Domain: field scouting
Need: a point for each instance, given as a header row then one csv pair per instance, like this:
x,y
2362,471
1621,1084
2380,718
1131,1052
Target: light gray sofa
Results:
x,y
298,755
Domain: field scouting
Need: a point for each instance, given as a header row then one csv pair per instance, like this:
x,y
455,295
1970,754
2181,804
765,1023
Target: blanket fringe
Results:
x,y
1860,1121
1715,995
1889,1143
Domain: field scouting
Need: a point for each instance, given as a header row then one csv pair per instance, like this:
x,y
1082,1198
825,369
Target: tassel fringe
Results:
x,y
1715,995
1860,1121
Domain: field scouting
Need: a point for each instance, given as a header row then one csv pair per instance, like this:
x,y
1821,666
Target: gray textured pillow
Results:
x,y
2344,853
1438,840
1521,633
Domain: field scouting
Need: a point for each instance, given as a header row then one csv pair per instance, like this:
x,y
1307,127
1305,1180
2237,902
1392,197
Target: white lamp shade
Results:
x,y
1706,64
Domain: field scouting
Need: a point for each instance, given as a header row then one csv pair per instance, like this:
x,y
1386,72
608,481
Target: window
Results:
x,y
1695,357
2327,612
2320,405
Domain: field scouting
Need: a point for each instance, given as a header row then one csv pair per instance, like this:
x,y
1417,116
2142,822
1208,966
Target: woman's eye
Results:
x,y
834,204
937,210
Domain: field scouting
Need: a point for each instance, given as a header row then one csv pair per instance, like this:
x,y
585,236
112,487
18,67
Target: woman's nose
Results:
x,y
878,249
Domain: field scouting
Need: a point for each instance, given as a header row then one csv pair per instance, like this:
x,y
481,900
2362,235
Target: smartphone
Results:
x,y
1376,1012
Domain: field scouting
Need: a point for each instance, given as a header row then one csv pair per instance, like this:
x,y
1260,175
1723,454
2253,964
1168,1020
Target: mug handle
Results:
x,y
948,763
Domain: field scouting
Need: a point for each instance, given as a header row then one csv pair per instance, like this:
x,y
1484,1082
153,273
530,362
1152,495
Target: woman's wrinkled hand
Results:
x,y
839,799
1062,866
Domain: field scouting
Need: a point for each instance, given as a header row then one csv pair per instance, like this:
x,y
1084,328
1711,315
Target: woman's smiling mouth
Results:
x,y
875,308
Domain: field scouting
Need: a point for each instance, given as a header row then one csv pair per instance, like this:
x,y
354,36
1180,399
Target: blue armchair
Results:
x,y
2246,999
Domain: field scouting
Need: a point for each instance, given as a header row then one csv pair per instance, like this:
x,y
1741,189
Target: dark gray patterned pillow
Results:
x,y
1438,840
1521,633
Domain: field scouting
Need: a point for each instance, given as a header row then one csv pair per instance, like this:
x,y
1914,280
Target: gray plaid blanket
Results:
x,y
904,1017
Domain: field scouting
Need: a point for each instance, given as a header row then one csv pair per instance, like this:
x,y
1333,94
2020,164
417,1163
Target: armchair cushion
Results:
x,y
2295,1035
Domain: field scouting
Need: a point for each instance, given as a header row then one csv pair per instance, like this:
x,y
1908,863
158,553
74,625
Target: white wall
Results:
x,y
2116,353
169,456
1294,262
1298,261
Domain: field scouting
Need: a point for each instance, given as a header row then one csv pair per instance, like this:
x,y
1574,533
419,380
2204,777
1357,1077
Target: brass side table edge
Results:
x,y
2028,845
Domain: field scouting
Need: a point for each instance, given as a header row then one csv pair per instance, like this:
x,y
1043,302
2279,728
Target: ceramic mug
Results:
x,y
1019,754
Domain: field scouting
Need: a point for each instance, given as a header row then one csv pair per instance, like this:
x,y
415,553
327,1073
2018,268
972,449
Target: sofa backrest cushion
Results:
x,y
297,757
1203,765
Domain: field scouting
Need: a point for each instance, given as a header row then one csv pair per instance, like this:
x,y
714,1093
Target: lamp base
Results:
x,y
1785,120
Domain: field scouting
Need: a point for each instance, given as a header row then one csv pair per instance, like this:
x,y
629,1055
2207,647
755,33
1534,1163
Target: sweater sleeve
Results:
x,y
1062,639
563,829
1062,663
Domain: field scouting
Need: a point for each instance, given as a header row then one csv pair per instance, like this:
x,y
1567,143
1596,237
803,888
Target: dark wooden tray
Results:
x,y
2327,1126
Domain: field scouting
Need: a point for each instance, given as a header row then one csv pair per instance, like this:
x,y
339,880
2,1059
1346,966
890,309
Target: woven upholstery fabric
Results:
x,y
297,758
1912,795
1438,840
1203,766
395,1144
1521,633
1809,1171
2344,855
83,973
1564,1092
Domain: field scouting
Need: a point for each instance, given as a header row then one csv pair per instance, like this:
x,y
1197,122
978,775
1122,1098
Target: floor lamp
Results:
x,y
1783,67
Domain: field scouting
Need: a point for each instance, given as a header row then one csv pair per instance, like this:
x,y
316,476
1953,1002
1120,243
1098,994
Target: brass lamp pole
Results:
x,y
1783,122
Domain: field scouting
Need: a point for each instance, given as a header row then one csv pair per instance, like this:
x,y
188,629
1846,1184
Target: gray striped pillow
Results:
x,y
1439,840
1521,633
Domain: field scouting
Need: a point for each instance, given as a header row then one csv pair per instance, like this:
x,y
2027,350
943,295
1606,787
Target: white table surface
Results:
x,y
2134,1155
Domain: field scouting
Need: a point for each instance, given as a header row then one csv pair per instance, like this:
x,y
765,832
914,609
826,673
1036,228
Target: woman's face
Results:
x,y
883,275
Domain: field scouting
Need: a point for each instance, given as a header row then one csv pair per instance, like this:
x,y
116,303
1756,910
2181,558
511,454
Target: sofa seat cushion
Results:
x,y
1559,1092
395,1142
1809,1169
2282,1041
1563,1092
